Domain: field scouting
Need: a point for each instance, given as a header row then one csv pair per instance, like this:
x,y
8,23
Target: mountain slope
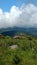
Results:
x,y
14,30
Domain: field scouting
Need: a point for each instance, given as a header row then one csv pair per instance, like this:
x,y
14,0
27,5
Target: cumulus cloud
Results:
x,y
24,16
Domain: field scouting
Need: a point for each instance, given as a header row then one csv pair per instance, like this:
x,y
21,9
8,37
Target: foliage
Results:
x,y
25,54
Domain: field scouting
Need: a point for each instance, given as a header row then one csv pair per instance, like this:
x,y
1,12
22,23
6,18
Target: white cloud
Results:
x,y
24,16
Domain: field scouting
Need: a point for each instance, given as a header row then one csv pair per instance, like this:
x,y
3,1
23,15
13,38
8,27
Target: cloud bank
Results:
x,y
24,16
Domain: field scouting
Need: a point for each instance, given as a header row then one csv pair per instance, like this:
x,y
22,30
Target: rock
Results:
x,y
13,46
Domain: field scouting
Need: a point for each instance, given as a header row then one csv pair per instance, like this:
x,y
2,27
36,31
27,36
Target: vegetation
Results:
x,y
25,54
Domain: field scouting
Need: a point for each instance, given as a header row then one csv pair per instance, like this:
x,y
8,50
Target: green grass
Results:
x,y
25,54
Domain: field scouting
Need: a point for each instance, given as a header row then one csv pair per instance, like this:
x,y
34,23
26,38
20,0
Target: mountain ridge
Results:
x,y
12,31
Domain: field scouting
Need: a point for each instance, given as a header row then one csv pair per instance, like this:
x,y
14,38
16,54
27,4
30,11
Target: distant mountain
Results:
x,y
14,30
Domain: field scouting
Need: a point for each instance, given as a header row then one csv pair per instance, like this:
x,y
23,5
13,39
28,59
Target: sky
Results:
x,y
7,4
20,13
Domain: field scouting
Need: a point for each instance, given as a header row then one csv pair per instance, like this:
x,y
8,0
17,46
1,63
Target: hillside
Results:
x,y
14,30
18,50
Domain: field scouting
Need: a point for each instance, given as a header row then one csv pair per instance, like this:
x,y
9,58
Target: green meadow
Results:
x,y
25,53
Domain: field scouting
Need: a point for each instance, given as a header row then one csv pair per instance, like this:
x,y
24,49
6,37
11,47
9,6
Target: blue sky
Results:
x,y
6,4
19,13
